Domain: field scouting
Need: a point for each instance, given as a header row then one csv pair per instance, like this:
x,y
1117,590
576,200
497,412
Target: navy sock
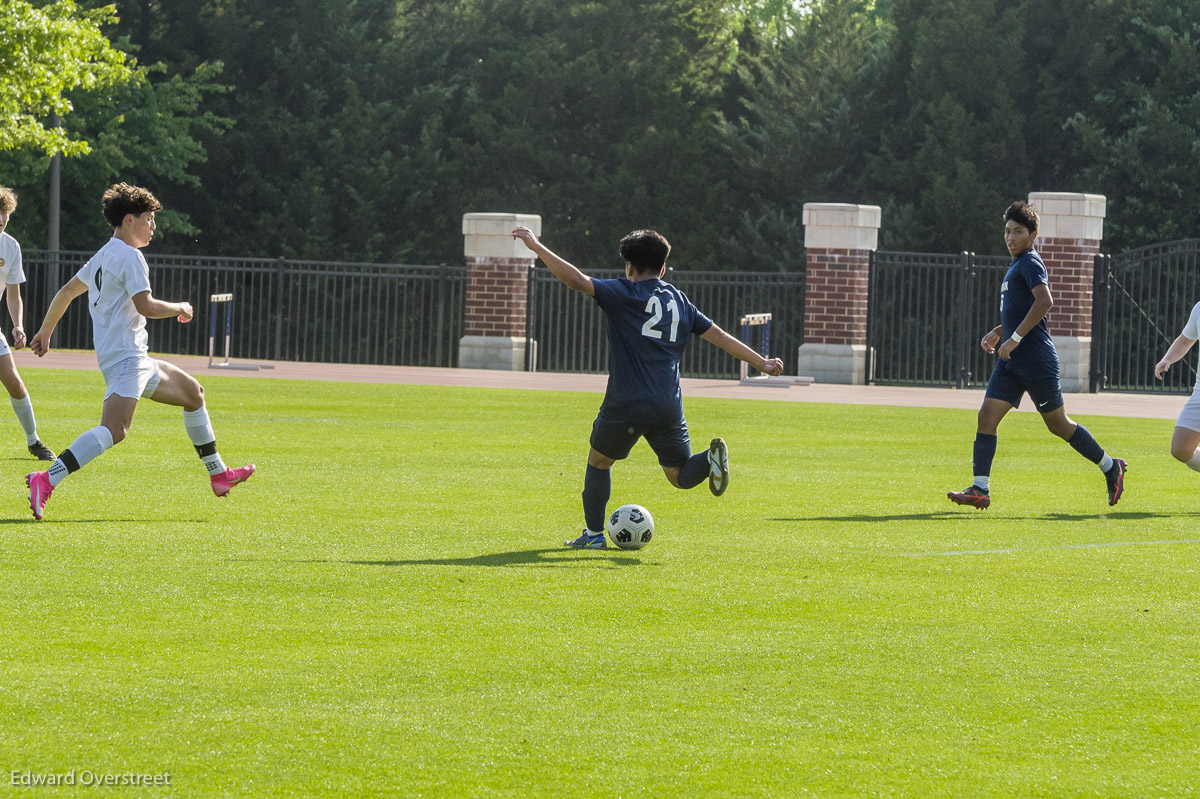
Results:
x,y
597,488
695,471
1083,443
985,451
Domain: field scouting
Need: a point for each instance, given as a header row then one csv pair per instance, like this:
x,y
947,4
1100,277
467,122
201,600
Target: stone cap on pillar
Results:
x,y
489,235
841,226
1069,215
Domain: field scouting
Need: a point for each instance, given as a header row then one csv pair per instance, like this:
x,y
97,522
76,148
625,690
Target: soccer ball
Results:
x,y
631,527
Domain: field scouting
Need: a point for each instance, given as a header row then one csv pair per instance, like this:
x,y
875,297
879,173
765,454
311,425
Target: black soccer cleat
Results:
x,y
974,496
40,451
1115,477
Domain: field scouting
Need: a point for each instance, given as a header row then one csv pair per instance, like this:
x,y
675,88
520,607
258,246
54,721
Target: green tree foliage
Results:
x,y
47,51
1139,137
143,131
366,129
800,117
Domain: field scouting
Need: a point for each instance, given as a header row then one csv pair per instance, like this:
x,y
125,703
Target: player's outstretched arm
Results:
x,y
738,349
40,343
1177,350
564,271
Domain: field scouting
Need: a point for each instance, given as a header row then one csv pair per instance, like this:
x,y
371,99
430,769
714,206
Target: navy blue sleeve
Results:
x,y
1034,272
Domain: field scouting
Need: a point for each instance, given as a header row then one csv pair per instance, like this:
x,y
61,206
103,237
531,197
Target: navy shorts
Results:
x,y
1011,381
614,438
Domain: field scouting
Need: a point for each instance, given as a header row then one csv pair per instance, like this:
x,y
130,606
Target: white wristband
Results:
x,y
1016,337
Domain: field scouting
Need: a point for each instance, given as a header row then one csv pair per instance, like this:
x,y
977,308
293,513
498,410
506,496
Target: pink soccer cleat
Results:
x,y
221,483
39,491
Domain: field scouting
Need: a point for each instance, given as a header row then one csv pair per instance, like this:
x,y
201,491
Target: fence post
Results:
x,y
530,319
1072,227
838,241
869,360
497,265
442,288
966,275
280,276
1096,372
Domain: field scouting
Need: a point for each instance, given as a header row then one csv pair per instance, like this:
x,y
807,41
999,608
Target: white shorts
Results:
x,y
4,348
134,377
1189,417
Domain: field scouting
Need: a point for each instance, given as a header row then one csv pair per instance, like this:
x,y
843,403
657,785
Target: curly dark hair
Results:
x,y
122,199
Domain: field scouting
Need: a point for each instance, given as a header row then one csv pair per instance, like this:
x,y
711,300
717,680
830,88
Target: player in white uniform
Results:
x,y
117,282
1185,443
12,275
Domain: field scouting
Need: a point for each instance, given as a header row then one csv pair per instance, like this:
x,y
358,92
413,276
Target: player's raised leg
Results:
x,y
1082,441
1185,447
177,387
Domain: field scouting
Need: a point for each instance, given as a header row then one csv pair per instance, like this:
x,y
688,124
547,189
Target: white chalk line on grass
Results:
x,y
1014,550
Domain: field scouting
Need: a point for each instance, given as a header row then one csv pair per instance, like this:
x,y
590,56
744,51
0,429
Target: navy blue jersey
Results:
x,y
649,324
1016,298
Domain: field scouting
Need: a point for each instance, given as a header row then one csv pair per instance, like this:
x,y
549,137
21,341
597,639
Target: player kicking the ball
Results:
x,y
649,324
117,282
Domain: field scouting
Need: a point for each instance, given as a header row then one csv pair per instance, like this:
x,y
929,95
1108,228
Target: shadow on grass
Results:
x,y
952,515
613,558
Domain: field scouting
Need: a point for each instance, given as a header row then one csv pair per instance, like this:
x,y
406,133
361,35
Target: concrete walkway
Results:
x,y
1150,406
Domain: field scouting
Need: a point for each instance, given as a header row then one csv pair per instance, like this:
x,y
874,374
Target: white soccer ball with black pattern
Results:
x,y
631,527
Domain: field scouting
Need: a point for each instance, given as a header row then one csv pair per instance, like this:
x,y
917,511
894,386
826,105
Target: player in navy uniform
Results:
x,y
649,324
1028,363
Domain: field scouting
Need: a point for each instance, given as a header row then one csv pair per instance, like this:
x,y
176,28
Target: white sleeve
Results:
x,y
16,272
1192,328
135,274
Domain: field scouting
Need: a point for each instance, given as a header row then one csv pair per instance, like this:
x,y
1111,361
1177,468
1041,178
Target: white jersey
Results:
x,y
1192,330
12,271
113,276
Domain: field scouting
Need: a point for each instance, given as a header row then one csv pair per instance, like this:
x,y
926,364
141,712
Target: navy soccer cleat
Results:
x,y
586,541
40,451
1115,477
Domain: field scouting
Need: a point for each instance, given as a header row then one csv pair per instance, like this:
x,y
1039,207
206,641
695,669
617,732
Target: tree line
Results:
x,y
362,130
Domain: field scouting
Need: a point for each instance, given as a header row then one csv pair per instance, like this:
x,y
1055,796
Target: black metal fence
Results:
x,y
400,315
569,327
1142,299
285,310
926,314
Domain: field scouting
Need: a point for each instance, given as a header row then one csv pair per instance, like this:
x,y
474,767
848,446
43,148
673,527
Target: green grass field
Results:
x,y
385,608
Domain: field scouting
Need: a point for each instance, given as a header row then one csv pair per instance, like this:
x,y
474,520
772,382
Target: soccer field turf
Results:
x,y
385,608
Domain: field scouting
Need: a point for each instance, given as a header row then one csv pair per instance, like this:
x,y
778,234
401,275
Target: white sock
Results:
x,y
83,450
981,481
199,430
1194,463
1106,462
24,410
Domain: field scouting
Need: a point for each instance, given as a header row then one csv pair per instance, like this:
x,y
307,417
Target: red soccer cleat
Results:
x,y
974,496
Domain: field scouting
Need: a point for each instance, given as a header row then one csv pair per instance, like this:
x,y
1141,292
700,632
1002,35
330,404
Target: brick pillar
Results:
x,y
497,282
1072,227
838,240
